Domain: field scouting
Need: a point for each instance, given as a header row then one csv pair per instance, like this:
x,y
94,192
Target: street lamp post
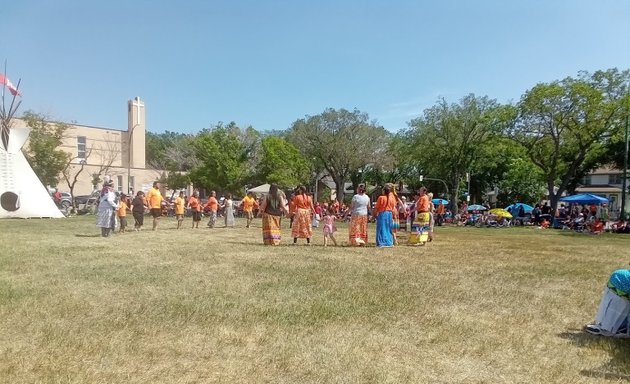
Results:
x,y
624,181
434,179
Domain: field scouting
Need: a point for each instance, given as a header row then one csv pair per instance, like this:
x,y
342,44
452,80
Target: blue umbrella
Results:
x,y
438,201
515,207
476,207
584,198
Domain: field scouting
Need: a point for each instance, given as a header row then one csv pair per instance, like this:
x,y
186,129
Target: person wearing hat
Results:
x,y
107,205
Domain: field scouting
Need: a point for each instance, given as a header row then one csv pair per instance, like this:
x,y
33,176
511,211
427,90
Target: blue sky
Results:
x,y
268,63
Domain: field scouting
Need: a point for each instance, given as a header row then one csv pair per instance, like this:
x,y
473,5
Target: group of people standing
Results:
x,y
112,206
387,213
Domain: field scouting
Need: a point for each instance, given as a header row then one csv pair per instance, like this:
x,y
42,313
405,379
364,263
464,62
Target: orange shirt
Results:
x,y
381,204
179,206
212,204
154,197
302,202
122,209
194,203
248,203
292,205
423,204
440,209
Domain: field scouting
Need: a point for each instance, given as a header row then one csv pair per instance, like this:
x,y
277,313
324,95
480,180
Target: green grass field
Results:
x,y
194,306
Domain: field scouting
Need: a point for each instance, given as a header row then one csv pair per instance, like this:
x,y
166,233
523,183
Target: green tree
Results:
x,y
171,151
449,140
564,125
42,151
341,142
282,163
222,160
521,182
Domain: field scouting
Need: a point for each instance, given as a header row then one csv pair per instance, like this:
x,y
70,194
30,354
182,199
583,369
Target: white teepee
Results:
x,y
21,192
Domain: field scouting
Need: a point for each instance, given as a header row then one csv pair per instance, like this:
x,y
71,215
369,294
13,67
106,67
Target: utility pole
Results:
x,y
624,180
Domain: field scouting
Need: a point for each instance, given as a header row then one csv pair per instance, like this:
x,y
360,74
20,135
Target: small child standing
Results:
x,y
122,212
329,226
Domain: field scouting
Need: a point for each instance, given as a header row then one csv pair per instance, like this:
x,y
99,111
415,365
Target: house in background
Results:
x,y
114,153
606,182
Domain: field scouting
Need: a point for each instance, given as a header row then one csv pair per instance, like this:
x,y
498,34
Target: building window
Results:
x,y
132,182
120,181
81,145
586,180
614,179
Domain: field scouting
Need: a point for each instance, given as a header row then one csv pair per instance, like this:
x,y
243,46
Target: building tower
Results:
x,y
135,139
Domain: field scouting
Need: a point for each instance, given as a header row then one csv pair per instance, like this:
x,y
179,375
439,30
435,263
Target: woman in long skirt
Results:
x,y
302,223
359,208
228,207
420,226
272,208
106,217
385,205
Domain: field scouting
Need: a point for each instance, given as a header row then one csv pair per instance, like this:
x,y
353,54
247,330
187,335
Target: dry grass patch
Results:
x,y
475,306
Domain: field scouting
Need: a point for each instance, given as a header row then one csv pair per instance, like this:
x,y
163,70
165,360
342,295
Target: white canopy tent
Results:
x,y
260,189
22,195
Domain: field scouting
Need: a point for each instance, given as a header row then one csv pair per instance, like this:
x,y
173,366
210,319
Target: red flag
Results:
x,y
4,81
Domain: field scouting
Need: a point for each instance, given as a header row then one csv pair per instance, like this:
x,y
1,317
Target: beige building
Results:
x,y
606,182
105,152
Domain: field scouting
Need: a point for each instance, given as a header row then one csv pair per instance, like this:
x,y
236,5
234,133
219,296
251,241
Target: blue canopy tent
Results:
x,y
476,207
514,208
584,198
438,201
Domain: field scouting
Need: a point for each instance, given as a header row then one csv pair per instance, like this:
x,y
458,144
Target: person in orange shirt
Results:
x,y
154,199
248,204
302,225
121,212
195,207
384,213
291,209
179,209
420,227
212,206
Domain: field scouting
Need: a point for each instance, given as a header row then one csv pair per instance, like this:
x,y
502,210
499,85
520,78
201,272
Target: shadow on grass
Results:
x,y
619,350
84,235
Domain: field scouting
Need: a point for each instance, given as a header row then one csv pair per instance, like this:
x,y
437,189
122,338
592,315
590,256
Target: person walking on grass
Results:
x,y
330,227
195,208
249,203
122,213
423,219
383,213
106,217
154,199
212,206
138,206
303,213
180,203
359,209
272,207
228,211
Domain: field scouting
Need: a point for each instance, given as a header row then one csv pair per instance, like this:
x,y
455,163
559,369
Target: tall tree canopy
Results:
x,y
282,163
223,159
43,150
448,140
564,125
341,141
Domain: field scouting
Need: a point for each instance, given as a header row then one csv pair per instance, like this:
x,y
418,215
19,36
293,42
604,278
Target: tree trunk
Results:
x,y
340,188
454,195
